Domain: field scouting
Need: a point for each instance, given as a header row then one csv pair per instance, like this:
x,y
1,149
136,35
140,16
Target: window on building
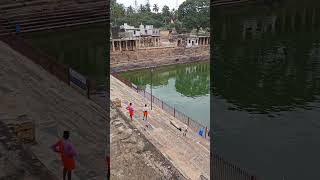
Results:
x,y
189,41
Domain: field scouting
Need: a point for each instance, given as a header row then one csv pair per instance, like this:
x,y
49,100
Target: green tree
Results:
x,y
166,14
194,14
142,8
130,10
155,8
173,15
147,6
117,11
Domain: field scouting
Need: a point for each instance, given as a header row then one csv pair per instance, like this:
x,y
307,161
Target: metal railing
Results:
x,y
224,170
192,124
52,65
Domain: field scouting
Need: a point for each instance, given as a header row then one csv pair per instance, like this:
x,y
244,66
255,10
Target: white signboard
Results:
x,y
78,81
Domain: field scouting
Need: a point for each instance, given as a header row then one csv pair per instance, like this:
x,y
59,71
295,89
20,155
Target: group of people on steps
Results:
x,y
145,111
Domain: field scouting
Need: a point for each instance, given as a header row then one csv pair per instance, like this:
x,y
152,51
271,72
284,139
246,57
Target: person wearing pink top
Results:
x,y
67,152
131,110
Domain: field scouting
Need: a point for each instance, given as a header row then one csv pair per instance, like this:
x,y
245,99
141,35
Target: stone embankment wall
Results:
x,y
144,58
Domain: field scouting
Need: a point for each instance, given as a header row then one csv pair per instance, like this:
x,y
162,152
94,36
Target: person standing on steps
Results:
x,y
145,112
185,130
67,152
145,115
131,110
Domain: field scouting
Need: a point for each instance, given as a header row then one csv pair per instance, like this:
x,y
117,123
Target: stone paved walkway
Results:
x,y
190,155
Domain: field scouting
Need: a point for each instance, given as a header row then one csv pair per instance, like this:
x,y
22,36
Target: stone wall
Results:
x,y
17,161
144,58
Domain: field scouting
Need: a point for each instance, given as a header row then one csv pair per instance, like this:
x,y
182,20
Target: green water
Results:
x,y
184,86
84,48
266,88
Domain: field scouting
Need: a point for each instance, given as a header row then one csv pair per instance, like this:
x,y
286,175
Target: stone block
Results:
x,y
117,103
24,128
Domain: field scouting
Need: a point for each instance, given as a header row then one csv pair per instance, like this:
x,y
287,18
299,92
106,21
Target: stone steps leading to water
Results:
x,y
188,154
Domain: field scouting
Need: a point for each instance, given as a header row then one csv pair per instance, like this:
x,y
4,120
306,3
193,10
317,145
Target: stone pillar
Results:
x,y
126,42
224,31
139,43
303,19
120,45
313,18
113,49
293,20
283,23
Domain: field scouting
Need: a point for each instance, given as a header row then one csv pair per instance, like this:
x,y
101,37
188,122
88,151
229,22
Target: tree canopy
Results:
x,y
192,14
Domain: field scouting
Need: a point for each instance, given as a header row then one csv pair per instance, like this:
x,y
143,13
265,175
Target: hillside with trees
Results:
x,y
191,15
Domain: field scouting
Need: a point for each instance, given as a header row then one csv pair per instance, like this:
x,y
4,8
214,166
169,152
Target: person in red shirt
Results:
x,y
67,152
131,110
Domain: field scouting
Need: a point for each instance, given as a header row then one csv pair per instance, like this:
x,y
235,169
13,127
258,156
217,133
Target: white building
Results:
x,y
148,30
143,30
131,29
192,41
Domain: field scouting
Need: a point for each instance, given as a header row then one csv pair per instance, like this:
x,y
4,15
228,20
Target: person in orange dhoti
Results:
x,y
67,152
145,112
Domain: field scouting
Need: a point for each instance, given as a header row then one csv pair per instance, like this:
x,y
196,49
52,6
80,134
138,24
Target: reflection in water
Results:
x,y
266,88
82,48
185,87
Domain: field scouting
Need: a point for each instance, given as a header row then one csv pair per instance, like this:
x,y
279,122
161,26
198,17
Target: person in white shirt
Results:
x,y
145,112
185,130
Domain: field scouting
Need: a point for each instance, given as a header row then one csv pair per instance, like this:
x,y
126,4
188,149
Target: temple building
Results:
x,y
130,38
126,38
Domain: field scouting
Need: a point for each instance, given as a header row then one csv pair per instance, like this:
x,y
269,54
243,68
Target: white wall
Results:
x,y
192,42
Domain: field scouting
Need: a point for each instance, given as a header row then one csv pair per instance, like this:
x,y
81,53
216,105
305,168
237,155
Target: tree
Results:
x,y
173,15
142,8
130,10
147,6
117,11
166,14
155,8
135,5
194,14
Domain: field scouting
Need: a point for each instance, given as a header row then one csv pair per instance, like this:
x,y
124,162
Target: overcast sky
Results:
x,y
160,3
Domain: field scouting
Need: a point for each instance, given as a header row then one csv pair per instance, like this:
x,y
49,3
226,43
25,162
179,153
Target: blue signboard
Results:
x,y
78,81
18,28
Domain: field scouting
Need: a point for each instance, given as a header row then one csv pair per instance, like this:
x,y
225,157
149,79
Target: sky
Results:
x,y
160,3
